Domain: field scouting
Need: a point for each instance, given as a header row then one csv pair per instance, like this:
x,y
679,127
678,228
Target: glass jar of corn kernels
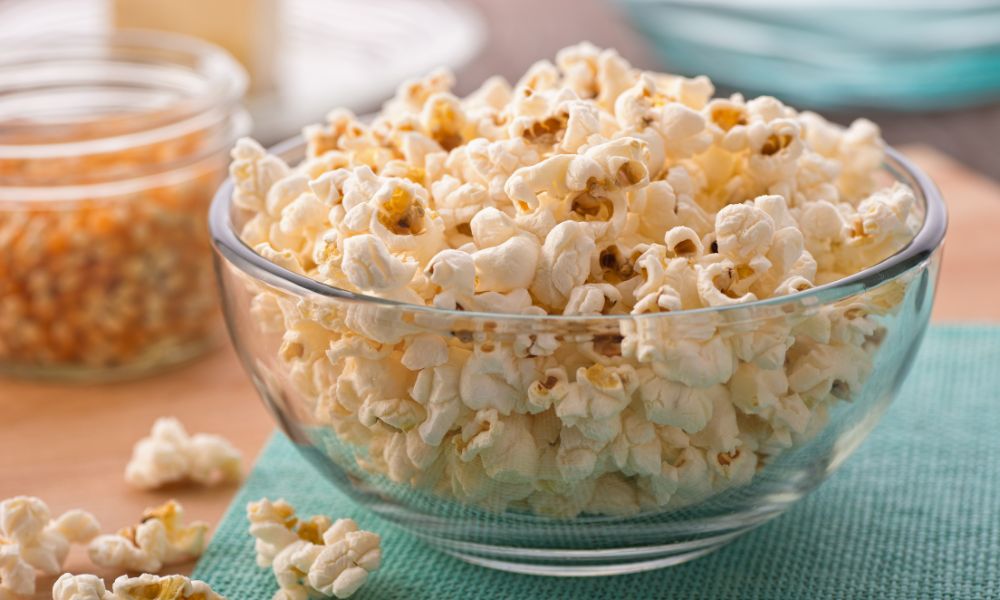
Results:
x,y
110,150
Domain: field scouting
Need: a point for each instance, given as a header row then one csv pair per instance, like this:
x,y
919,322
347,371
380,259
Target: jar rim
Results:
x,y
920,249
235,126
225,79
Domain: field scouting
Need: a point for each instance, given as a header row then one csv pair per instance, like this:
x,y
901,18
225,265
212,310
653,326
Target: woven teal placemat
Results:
x,y
914,514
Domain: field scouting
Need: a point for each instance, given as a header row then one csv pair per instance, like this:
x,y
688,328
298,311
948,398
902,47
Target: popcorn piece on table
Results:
x,y
170,455
17,577
312,556
143,587
30,541
161,538
80,587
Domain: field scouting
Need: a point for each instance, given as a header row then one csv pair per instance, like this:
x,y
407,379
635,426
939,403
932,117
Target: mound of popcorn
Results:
x,y
588,189
170,455
31,541
312,557
161,538
144,587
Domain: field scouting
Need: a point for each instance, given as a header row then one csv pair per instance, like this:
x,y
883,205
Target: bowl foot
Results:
x,y
584,563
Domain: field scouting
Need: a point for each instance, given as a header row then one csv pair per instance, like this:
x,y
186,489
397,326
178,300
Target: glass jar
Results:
x,y
111,148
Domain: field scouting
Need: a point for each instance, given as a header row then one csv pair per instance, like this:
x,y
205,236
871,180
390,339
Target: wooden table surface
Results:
x,y
69,444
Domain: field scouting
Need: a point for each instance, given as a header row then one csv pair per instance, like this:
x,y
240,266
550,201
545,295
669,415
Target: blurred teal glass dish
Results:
x,y
898,55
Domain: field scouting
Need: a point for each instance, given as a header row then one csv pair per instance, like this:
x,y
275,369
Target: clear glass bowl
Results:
x,y
111,148
331,367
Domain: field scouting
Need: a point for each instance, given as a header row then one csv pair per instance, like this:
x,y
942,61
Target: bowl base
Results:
x,y
584,563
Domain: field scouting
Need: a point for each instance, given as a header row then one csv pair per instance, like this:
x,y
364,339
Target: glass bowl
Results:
x,y
111,148
672,433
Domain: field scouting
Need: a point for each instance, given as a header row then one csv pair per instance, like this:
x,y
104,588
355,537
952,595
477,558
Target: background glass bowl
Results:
x,y
282,325
908,54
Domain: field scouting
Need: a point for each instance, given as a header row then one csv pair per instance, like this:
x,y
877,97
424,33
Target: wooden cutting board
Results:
x,y
69,444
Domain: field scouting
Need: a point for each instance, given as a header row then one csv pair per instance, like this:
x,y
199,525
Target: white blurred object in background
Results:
x,y
305,56
247,29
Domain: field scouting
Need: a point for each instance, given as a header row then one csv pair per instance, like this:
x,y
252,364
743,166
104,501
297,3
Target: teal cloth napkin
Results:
x,y
915,513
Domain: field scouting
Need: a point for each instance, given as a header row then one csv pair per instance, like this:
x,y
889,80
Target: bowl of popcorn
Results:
x,y
593,323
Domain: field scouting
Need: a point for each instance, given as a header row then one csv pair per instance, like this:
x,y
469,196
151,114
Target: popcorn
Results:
x,y
698,363
371,268
169,455
454,274
490,379
504,445
592,299
437,389
31,540
508,266
718,285
591,189
594,73
742,232
671,403
160,539
80,587
144,587
564,263
254,173
425,351
613,496
884,221
169,587
17,577
594,403
314,556
544,393
344,564
636,450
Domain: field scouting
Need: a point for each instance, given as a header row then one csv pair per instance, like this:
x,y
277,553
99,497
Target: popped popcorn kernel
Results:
x,y
80,587
170,455
143,587
314,556
31,541
167,587
161,538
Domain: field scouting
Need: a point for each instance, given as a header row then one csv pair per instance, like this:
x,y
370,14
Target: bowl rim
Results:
x,y
927,240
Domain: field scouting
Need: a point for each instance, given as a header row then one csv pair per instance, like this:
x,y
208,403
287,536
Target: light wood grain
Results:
x,y
967,291
69,444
